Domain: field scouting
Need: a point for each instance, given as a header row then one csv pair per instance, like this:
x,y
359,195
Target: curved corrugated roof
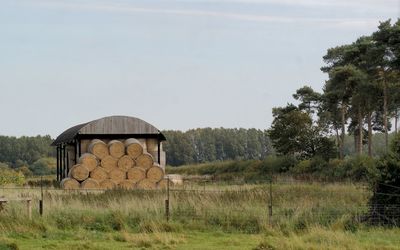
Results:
x,y
117,125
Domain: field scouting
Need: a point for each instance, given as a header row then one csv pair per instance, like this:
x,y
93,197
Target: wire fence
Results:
x,y
257,202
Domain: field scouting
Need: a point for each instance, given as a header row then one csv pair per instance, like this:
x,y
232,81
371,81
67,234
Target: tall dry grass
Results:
x,y
231,208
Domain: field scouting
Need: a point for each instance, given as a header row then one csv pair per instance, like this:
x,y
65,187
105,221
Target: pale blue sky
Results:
x,y
176,64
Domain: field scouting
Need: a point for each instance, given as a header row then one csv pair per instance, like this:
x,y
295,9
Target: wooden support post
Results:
x,y
58,164
61,164
80,149
67,159
76,152
64,162
159,151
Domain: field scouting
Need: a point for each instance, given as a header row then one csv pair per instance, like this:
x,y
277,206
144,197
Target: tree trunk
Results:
x,y
338,141
385,110
343,111
360,131
396,117
355,137
369,135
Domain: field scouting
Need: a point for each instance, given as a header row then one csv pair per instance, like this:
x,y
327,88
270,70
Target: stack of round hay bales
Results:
x,y
116,164
98,148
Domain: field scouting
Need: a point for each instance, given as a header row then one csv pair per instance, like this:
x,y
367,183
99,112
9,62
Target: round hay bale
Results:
x,y
109,163
99,174
133,148
98,148
108,184
154,154
125,163
70,183
79,172
146,184
143,143
155,173
163,184
177,179
136,174
152,145
117,175
126,184
90,184
145,161
89,160
116,148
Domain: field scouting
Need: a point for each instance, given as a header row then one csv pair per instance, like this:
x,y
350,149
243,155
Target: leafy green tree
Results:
x,y
26,150
292,133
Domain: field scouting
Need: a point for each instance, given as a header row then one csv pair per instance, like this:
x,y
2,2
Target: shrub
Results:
x,y
385,201
44,166
361,168
9,176
8,246
278,164
314,168
336,169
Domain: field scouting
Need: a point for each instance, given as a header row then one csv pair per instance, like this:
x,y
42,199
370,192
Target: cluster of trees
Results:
x,y
219,144
362,95
29,155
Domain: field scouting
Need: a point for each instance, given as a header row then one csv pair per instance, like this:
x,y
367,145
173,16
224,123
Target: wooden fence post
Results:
x,y
29,207
41,197
270,201
167,201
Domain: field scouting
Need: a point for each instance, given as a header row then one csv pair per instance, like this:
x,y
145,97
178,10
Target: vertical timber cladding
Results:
x,y
70,154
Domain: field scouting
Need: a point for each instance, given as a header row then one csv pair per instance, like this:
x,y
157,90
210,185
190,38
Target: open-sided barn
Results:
x,y
114,133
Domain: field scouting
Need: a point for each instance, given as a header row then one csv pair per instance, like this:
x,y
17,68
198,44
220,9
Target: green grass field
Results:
x,y
305,216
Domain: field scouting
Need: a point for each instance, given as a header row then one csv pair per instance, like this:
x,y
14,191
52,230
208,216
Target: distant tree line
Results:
x,y
35,156
29,155
215,144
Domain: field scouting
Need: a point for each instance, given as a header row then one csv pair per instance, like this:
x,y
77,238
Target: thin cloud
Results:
x,y
123,8
382,4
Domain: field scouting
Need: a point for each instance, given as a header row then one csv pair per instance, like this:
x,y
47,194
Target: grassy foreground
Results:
x,y
305,216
